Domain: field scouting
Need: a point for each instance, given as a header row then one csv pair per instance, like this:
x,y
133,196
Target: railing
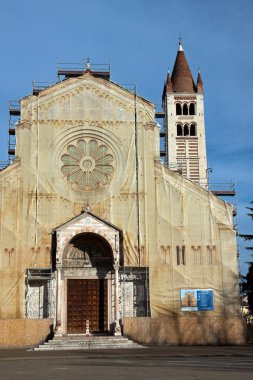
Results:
x,y
14,104
14,108
175,166
39,86
3,164
73,66
222,188
159,108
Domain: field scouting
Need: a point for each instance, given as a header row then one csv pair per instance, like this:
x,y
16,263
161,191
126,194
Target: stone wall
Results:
x,y
187,330
24,332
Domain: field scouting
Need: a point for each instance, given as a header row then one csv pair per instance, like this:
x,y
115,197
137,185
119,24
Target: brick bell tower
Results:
x,y
183,104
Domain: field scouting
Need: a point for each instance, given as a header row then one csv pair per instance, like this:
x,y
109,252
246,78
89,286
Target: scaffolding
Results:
x,y
3,164
72,70
14,117
37,87
161,121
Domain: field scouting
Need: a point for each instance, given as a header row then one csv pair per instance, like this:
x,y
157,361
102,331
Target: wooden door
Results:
x,y
87,300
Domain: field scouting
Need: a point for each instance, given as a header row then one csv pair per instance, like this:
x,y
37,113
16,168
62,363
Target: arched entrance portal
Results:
x,y
88,263
88,255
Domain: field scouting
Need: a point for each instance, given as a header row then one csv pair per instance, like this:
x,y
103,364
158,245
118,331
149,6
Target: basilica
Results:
x,y
107,220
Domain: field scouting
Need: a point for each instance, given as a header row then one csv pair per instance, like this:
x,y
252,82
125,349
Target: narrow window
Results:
x,y
181,259
193,130
185,109
178,255
183,255
179,130
192,109
186,130
178,109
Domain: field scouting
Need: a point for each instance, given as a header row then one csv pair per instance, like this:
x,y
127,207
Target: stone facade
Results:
x,y
88,200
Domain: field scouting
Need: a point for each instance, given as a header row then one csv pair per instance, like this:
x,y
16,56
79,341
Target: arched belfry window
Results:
x,y
192,109
185,109
193,130
178,109
186,130
179,130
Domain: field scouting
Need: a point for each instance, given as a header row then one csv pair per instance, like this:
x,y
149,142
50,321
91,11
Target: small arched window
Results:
x,y
185,109
192,109
178,109
179,130
193,130
186,130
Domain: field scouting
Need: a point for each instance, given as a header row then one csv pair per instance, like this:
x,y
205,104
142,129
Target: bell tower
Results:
x,y
183,105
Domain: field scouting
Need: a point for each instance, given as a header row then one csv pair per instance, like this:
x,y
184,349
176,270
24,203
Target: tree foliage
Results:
x,y
248,279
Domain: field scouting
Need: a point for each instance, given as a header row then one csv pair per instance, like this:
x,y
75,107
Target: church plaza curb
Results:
x,y
145,352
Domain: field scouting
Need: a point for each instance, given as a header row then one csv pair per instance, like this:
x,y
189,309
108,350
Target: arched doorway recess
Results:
x,y
87,298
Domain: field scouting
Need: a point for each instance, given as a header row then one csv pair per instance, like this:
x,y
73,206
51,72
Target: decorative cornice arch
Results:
x,y
88,223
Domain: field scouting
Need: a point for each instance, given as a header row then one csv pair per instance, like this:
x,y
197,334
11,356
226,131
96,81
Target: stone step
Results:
x,y
86,341
82,342
93,337
87,344
80,348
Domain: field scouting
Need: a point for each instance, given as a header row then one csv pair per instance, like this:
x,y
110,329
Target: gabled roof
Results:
x,y
83,215
89,75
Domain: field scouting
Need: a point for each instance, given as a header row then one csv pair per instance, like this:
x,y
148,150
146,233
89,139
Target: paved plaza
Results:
x,y
145,363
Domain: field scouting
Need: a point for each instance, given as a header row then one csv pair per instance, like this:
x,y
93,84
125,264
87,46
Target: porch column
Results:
x,y
116,296
58,330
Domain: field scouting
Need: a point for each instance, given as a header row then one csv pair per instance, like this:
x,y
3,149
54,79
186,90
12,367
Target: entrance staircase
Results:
x,y
83,342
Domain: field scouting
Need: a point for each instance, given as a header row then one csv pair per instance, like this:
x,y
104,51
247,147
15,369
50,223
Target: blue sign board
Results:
x,y
205,299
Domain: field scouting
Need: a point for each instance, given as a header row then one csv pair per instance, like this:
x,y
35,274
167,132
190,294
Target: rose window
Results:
x,y
87,165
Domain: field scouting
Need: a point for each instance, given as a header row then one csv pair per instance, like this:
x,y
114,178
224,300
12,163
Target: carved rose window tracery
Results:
x,y
88,165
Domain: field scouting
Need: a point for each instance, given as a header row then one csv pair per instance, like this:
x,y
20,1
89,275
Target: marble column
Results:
x,y
117,330
58,330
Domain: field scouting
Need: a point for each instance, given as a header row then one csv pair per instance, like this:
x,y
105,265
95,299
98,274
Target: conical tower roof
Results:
x,y
167,85
181,78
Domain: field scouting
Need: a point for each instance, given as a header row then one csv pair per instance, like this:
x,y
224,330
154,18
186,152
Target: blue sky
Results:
x,y
139,38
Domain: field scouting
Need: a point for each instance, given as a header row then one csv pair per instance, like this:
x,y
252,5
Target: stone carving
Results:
x,y
9,259
150,126
76,258
37,299
211,259
197,259
165,254
86,252
88,165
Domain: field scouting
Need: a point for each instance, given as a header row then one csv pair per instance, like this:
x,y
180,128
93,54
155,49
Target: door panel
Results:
x,y
87,300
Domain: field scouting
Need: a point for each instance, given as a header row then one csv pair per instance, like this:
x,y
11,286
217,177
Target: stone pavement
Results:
x,y
198,362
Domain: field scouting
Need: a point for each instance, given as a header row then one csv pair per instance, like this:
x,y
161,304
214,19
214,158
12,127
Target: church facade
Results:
x,y
101,225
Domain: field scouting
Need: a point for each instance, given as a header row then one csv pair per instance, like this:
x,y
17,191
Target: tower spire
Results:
x,y
180,46
168,82
181,78
199,82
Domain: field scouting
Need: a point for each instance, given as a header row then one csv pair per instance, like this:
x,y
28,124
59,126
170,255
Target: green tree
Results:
x,y
248,279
